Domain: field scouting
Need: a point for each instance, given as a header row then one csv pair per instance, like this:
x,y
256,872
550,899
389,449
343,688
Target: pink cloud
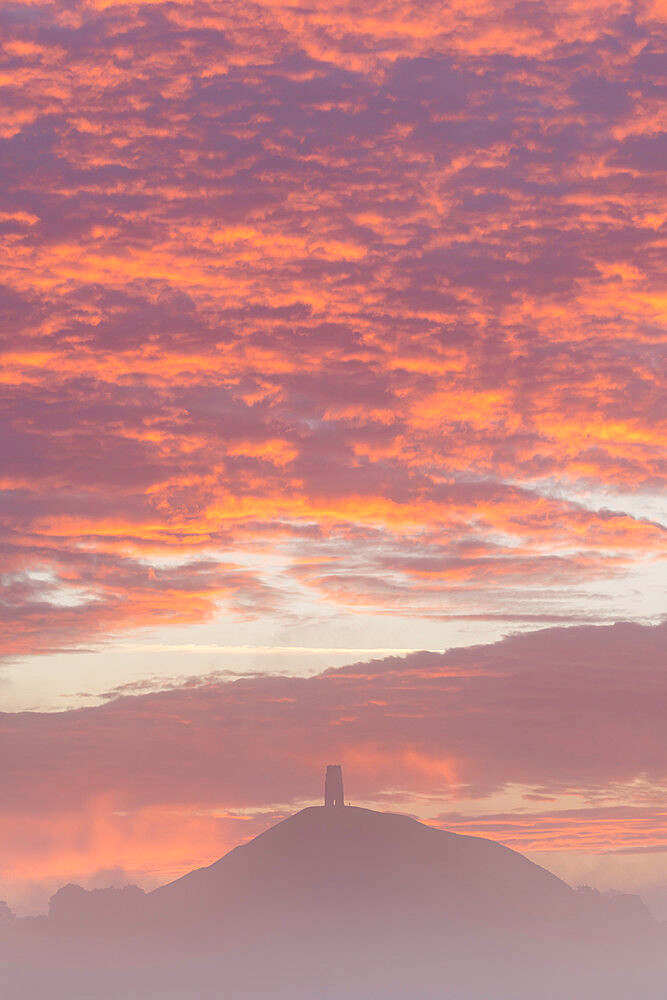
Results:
x,y
374,299
573,712
265,272
54,599
597,829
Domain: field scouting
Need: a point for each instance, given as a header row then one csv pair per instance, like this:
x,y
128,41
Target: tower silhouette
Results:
x,y
333,786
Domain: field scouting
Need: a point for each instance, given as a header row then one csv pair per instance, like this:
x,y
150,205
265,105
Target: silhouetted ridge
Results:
x,y
344,904
322,858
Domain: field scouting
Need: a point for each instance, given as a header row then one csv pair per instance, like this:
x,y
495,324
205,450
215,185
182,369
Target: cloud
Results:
x,y
270,272
569,717
50,599
601,829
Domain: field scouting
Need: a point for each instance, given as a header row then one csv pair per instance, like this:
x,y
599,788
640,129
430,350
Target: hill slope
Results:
x,y
323,862
344,903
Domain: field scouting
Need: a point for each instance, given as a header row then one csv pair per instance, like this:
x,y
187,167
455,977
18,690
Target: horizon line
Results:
x,y
267,650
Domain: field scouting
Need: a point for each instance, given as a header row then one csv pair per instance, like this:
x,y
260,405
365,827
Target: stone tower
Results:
x,y
333,786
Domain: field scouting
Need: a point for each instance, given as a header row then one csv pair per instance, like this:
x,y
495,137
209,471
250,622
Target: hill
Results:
x,y
345,902
322,863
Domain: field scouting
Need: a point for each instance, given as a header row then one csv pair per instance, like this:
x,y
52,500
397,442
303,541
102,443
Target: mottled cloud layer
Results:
x,y
375,293
552,740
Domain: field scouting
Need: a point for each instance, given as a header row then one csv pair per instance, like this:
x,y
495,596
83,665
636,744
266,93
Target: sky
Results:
x,y
333,427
